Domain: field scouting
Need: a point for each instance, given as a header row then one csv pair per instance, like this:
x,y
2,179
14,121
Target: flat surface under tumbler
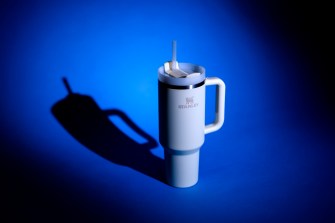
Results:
x,y
181,124
272,161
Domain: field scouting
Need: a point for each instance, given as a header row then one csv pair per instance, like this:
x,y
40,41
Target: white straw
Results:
x,y
174,53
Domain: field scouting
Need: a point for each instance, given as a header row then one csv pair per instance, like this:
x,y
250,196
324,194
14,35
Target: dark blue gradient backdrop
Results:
x,y
272,161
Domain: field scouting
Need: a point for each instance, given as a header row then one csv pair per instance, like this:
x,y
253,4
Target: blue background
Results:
x,y
272,161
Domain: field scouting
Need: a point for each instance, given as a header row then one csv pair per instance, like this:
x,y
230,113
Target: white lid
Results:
x,y
188,68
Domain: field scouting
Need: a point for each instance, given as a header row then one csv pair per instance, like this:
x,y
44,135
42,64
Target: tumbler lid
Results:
x,y
187,67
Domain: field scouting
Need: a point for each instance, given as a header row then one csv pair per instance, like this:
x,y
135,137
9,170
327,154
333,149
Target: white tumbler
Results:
x,y
182,126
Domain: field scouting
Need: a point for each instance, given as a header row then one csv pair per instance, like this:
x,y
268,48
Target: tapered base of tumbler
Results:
x,y
182,169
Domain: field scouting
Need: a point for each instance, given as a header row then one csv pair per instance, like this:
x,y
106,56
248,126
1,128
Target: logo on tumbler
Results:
x,y
189,103
189,100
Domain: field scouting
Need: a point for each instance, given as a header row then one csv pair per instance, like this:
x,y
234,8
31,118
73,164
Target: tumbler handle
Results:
x,y
219,105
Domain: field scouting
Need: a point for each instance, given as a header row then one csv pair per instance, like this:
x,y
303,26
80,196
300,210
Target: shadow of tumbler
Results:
x,y
88,124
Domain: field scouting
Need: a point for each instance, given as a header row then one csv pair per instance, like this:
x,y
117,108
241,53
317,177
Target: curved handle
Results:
x,y
220,102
